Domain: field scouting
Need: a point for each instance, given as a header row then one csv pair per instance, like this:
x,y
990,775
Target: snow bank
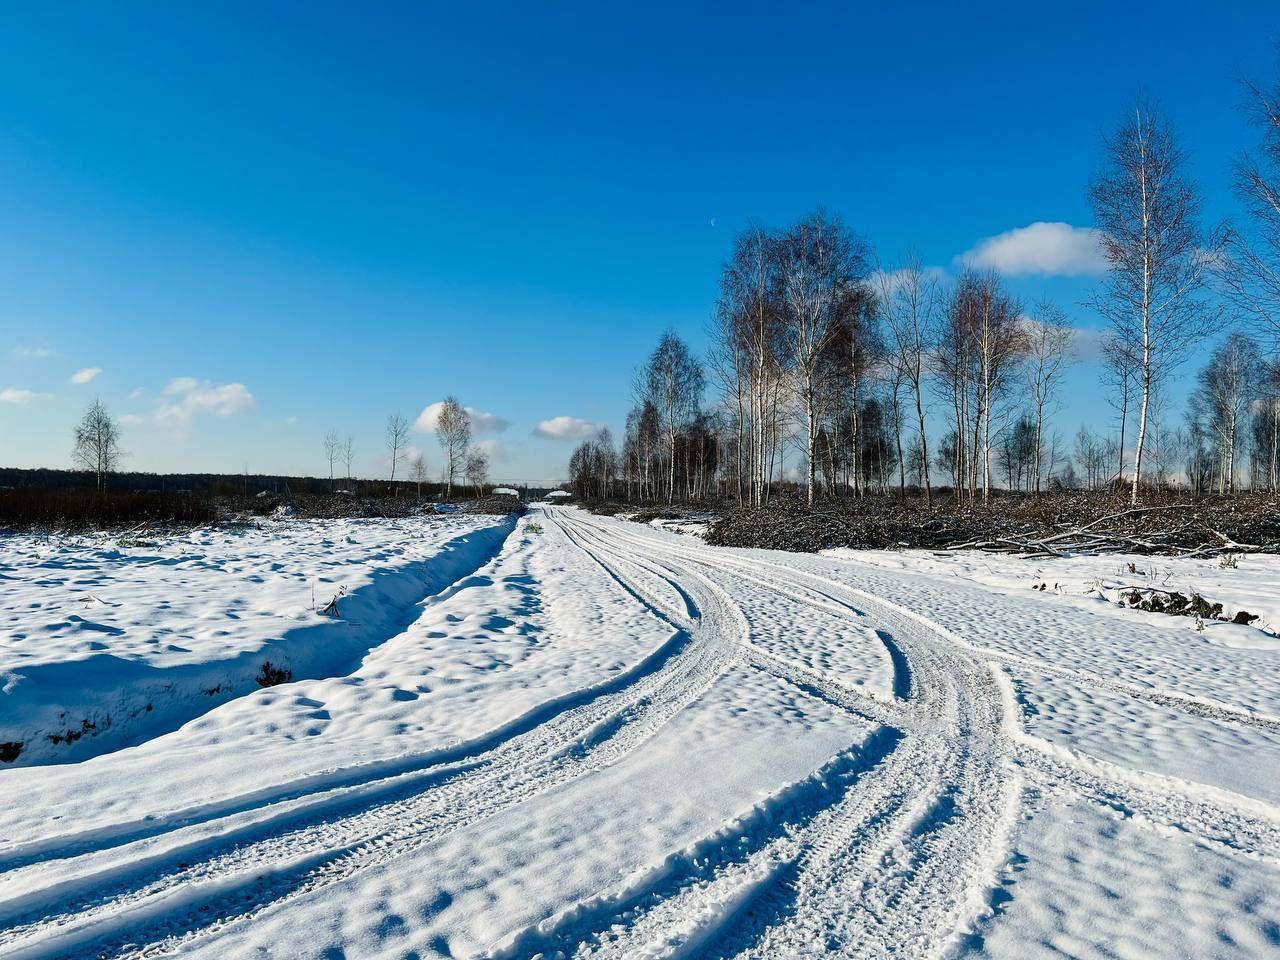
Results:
x,y
109,645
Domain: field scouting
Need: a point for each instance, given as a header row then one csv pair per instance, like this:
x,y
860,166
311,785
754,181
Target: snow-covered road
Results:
x,y
616,741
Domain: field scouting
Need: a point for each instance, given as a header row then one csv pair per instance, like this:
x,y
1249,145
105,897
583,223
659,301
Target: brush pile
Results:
x,y
1051,525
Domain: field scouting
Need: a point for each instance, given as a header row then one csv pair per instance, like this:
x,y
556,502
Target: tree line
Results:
x,y
96,449
881,379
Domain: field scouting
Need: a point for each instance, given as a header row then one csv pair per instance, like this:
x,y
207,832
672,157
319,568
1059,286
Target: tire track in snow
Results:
x,y
239,877
1236,823
903,860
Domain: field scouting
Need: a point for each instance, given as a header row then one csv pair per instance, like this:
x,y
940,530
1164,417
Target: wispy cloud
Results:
x,y
567,428
481,422
86,375
190,397
1046,249
30,352
19,396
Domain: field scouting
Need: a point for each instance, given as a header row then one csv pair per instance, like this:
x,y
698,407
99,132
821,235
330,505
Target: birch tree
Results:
x,y
453,430
477,470
999,343
1251,270
1048,337
751,332
818,261
97,443
1119,379
396,437
1228,384
673,382
909,305
1147,209
348,453
418,471
332,452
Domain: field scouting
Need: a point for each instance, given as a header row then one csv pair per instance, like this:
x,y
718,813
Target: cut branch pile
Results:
x,y
1055,525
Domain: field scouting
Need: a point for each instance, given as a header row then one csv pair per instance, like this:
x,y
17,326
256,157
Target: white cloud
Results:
x,y
32,353
131,420
1048,249
194,396
889,281
1088,343
181,385
568,428
19,396
137,392
496,452
481,422
86,375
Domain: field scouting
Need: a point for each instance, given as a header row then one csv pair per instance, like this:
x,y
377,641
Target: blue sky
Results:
x,y
262,221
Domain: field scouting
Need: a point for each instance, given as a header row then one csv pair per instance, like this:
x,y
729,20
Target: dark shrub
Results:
x,y
270,675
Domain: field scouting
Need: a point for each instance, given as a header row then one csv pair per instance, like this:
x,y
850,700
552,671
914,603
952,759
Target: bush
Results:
x,y
46,507
270,675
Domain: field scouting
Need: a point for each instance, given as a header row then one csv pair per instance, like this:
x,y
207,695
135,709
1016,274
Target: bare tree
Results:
x,y
1147,211
1120,380
818,261
477,470
1048,337
97,442
672,381
1091,455
999,342
1268,418
748,348
397,438
909,303
348,453
954,364
453,429
418,471
1252,269
1229,383
332,451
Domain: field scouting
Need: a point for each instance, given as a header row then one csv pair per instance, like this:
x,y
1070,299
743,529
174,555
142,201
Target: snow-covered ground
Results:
x,y
607,739
108,641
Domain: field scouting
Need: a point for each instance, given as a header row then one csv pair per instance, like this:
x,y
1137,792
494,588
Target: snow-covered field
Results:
x,y
600,738
107,642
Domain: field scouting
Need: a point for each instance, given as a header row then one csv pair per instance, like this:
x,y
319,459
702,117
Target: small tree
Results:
x,y
418,472
1228,385
477,470
1048,340
397,438
97,442
1120,380
332,451
909,303
348,453
453,428
673,382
